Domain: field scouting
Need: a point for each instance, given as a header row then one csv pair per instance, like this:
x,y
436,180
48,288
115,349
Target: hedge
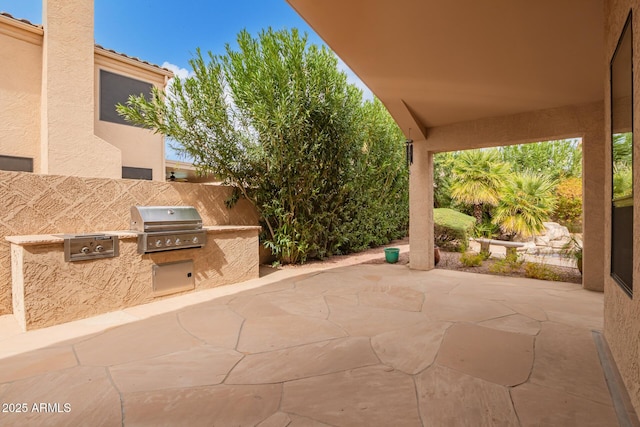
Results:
x,y
452,229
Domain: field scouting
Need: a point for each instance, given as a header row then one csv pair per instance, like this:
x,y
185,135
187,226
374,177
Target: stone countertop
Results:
x,y
45,239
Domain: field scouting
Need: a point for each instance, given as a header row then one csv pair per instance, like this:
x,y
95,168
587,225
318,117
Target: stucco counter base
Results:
x,y
48,291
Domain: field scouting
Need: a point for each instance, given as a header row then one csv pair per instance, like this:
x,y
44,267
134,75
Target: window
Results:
x,y
622,160
19,164
136,173
116,89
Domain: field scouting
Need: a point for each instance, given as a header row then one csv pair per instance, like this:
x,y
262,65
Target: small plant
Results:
x,y
573,249
539,271
470,259
512,262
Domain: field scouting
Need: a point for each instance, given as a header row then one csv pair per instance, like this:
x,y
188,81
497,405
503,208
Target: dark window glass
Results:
x,y
622,160
116,89
137,173
19,164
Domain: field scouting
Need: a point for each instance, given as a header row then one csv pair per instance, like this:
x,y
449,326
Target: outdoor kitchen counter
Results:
x,y
48,290
44,239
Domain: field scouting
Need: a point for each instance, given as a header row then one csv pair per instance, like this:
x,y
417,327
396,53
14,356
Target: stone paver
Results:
x,y
215,325
76,397
411,349
514,323
450,398
304,361
364,345
198,366
135,341
566,360
223,405
541,406
37,362
501,357
463,308
278,332
376,395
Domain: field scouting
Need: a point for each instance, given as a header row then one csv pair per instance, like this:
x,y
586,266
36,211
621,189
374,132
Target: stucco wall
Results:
x,y
622,313
47,204
54,291
139,147
67,141
20,76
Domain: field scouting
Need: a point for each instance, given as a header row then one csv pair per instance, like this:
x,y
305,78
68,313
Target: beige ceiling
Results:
x,y
447,61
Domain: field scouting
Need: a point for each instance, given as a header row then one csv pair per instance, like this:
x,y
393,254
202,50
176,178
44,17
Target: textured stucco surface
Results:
x,y
20,92
55,291
68,144
622,313
421,208
48,204
139,147
50,82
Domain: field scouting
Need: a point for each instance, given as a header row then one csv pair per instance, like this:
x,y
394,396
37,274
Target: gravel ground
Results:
x,y
448,261
451,261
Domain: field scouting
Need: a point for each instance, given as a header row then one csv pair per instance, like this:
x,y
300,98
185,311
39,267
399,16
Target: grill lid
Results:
x,y
164,218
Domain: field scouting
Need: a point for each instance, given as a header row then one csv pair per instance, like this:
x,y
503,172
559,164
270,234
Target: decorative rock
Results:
x,y
560,243
541,240
555,231
528,246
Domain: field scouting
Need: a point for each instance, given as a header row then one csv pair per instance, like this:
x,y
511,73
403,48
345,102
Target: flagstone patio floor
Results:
x,y
363,345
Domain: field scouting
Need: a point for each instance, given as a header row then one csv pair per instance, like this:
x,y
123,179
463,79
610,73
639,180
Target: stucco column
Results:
x,y
421,208
68,143
593,215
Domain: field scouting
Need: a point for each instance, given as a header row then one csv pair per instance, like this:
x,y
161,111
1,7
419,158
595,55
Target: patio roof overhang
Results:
x,y
434,62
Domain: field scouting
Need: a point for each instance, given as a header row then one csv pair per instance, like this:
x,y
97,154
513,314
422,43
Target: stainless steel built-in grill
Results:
x,y
166,228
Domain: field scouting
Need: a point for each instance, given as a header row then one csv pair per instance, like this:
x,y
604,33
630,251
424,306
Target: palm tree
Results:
x,y
525,204
478,177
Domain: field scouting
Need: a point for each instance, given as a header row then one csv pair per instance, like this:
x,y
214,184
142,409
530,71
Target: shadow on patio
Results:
x,y
363,345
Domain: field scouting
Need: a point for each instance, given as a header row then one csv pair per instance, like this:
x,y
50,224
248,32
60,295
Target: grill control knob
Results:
x,y
178,241
168,242
85,250
195,239
99,248
158,243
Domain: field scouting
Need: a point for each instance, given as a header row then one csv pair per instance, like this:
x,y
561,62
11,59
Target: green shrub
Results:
x,y
539,271
568,210
276,118
470,259
452,229
512,262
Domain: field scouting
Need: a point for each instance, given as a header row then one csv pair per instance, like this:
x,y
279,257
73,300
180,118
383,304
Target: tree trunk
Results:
x,y
477,212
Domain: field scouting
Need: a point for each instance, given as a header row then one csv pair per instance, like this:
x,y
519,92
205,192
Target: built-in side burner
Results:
x,y
82,247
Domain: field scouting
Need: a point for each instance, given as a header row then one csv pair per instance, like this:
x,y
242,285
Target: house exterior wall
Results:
x,y
67,142
139,147
49,97
622,313
20,90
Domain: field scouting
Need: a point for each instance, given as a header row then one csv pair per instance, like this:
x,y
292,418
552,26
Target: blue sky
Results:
x,y
167,33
